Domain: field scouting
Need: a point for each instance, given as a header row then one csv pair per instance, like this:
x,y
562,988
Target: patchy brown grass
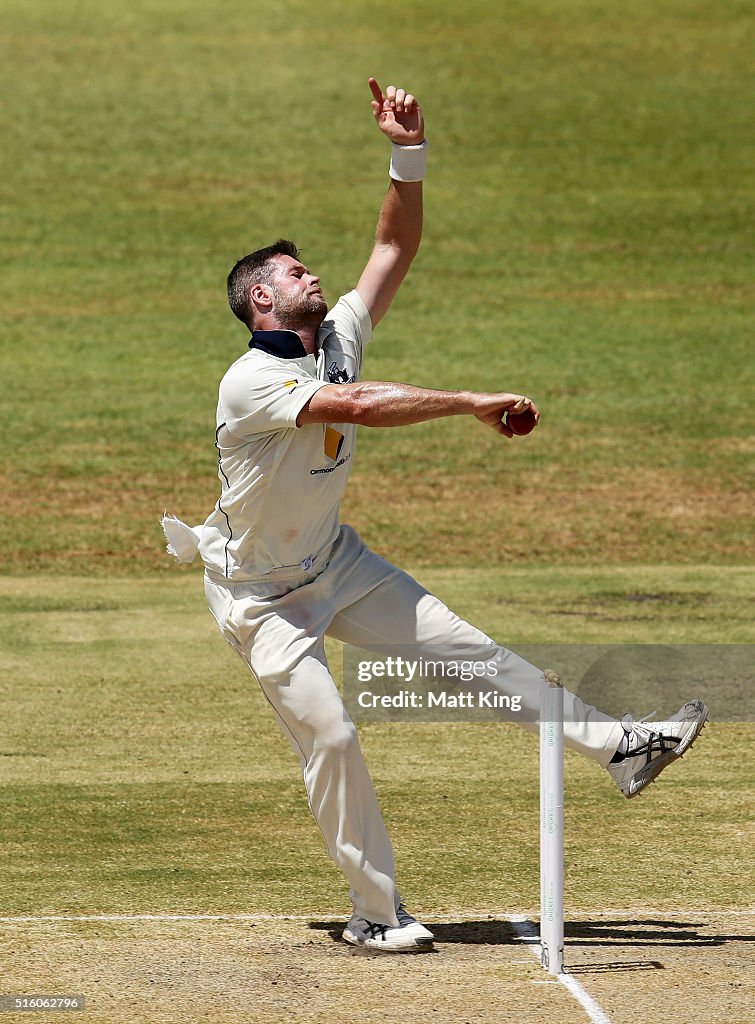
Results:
x,y
554,514
558,516
99,524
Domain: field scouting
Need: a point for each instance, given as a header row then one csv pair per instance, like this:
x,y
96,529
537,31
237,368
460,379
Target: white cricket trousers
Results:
x,y
278,625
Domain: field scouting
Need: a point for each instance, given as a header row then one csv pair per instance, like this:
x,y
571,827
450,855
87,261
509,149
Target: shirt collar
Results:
x,y
284,344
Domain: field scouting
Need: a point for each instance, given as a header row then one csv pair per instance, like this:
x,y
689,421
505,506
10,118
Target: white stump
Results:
x,y
552,824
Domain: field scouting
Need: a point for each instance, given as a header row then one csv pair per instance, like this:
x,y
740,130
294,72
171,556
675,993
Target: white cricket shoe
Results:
x,y
409,937
650,748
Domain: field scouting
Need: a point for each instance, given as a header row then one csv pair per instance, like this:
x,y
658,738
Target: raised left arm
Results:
x,y
399,228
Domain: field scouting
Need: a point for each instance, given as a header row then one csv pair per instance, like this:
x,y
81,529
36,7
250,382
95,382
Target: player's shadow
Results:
x,y
645,933
648,932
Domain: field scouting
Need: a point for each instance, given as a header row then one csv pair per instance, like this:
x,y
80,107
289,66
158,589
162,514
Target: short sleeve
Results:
x,y
351,318
259,397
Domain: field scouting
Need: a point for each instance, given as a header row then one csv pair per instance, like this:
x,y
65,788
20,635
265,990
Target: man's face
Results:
x,y
298,299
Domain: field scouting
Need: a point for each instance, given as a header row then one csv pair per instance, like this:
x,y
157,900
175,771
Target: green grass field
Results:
x,y
589,241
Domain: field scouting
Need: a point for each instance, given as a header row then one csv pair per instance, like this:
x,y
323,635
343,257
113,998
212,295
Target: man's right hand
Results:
x,y
490,409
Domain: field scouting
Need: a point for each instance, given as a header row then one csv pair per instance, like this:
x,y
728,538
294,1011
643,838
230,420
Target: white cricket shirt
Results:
x,y
281,485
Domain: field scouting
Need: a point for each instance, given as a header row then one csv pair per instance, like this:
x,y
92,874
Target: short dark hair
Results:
x,y
256,268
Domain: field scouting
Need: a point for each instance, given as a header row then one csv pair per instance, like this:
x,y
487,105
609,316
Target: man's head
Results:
x,y
271,288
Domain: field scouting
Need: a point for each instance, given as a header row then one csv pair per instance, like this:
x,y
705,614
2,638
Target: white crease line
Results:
x,y
528,933
629,915
172,917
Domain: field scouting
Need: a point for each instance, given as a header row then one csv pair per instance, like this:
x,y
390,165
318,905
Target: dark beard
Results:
x,y
308,312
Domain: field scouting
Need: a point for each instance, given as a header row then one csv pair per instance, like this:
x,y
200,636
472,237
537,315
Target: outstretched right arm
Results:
x,y
386,404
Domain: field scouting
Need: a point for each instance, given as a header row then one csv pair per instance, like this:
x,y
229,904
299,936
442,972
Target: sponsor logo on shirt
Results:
x,y
338,376
290,384
329,469
333,443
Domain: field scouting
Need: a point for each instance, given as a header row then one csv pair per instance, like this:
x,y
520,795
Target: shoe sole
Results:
x,y
651,773
417,945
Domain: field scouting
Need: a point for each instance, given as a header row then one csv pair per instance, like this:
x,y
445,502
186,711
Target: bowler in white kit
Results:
x,y
282,571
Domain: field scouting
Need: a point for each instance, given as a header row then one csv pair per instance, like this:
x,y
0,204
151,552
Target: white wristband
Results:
x,y
408,163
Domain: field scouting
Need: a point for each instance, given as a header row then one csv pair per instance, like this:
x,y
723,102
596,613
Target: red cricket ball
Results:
x,y
521,423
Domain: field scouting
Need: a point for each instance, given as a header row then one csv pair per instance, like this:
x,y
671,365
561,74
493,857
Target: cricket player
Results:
x,y
282,572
